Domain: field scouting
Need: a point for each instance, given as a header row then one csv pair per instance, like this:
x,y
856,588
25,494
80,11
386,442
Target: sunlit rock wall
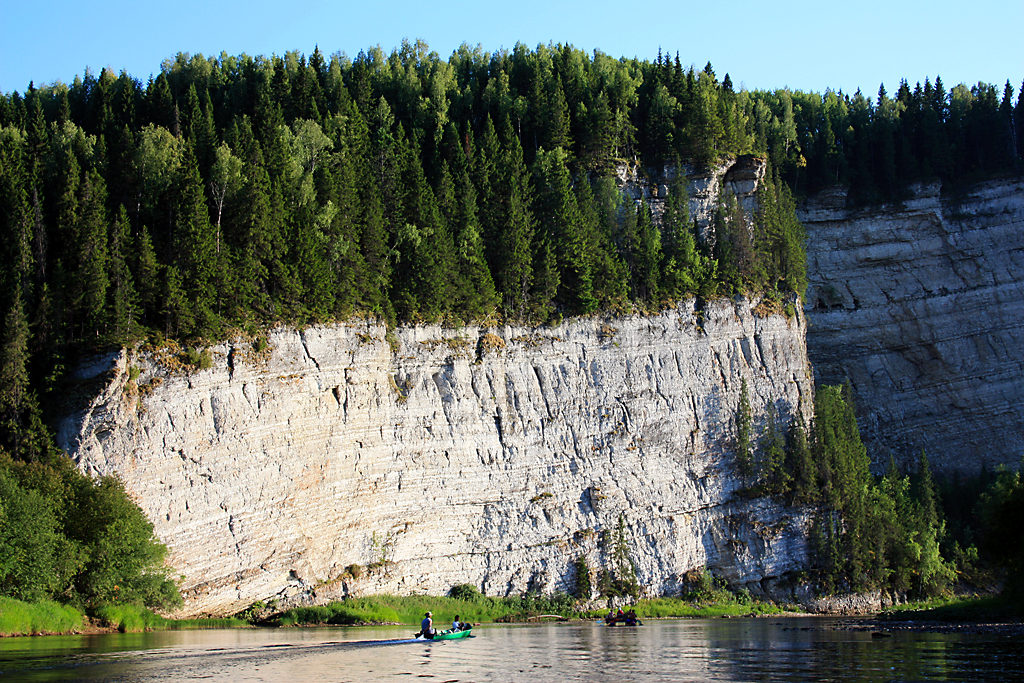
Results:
x,y
443,456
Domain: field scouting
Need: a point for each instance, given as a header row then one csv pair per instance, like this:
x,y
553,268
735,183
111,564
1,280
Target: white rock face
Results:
x,y
492,457
921,307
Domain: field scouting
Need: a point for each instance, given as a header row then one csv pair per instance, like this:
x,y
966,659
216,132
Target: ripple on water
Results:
x,y
696,650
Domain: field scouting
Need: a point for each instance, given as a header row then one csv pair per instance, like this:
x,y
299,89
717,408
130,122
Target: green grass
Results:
x,y
380,609
132,618
22,618
994,608
725,606
198,624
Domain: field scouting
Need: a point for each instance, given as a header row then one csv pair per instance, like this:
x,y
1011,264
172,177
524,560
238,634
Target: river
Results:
x,y
765,649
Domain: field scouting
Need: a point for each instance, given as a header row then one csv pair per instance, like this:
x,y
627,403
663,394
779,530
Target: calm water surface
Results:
x,y
807,649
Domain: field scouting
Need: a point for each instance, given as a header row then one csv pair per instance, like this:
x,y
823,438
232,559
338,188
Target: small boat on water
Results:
x,y
449,634
628,619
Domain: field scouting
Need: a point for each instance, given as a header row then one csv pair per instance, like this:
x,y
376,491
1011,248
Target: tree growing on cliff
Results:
x,y
583,587
744,425
618,578
869,534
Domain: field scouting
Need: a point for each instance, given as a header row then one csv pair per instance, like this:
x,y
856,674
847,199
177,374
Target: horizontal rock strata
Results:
x,y
921,307
433,456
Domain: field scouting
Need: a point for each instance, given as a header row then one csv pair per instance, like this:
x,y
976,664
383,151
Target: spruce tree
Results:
x,y
514,272
123,313
558,215
91,275
744,425
196,249
475,294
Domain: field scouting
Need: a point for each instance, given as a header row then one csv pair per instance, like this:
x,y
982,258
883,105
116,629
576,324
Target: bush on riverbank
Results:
x,y
129,618
82,541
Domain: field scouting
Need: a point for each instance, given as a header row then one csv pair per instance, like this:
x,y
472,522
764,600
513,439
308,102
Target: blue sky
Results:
x,y
763,45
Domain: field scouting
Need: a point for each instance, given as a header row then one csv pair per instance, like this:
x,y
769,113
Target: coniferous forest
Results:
x,y
237,192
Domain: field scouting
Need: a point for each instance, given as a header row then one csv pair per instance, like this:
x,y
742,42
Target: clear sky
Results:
x,y
762,44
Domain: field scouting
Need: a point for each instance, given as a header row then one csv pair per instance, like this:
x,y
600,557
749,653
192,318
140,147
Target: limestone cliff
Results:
x,y
438,456
921,307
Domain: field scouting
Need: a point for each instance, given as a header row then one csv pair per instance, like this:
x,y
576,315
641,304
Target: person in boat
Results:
x,y
427,626
631,619
610,619
456,625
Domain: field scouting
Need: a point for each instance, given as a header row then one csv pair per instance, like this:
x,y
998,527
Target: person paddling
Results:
x,y
456,625
427,626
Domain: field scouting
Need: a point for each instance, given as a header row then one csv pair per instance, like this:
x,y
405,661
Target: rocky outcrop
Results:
x,y
432,456
921,307
739,177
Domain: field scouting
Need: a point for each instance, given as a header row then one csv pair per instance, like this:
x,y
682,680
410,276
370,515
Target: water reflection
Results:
x,y
697,650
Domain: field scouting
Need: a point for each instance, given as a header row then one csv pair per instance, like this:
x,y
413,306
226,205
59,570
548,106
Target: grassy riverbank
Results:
x,y
958,610
391,609
23,618
476,608
19,618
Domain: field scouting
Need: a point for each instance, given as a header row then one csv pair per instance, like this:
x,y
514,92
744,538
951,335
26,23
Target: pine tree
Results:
x,y
486,157
91,274
546,280
558,122
145,273
21,429
777,478
647,257
799,463
609,276
423,287
475,294
558,216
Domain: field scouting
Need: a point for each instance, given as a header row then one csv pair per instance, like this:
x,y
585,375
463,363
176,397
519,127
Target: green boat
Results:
x,y
452,635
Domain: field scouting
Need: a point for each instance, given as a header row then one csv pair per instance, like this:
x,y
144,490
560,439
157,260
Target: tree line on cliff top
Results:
x,y
236,192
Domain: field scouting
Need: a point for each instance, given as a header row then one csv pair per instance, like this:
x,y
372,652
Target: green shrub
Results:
x,y
200,360
465,591
81,540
